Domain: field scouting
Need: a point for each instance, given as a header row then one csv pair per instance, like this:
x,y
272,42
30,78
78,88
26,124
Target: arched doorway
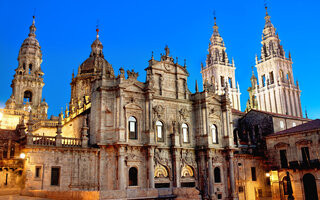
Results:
x,y
310,187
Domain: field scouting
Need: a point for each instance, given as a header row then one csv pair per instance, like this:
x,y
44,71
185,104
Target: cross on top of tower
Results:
x,y
97,29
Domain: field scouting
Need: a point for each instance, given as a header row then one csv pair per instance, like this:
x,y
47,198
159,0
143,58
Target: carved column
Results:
x,y
121,169
210,173
176,167
151,167
233,194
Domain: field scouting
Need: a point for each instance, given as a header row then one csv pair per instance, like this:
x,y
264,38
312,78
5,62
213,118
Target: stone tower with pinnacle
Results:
x,y
91,69
276,91
219,72
28,78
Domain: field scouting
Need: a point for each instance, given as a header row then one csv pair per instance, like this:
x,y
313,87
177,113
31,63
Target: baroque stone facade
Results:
x,y
120,138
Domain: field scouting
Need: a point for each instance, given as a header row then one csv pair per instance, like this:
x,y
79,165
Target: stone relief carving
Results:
x,y
160,171
158,111
161,157
188,157
133,155
184,114
186,171
214,112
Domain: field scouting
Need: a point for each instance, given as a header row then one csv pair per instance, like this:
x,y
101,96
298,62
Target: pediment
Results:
x,y
281,145
134,86
132,106
304,142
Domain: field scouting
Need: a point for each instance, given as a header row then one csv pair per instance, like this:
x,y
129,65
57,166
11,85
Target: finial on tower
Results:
x,y
252,70
33,27
167,50
197,90
214,17
152,55
97,29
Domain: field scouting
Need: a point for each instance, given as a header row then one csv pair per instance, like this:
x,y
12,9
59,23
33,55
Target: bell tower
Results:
x,y
276,91
28,82
219,72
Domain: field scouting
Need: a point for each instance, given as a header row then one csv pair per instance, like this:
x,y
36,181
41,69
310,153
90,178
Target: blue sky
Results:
x,y
130,30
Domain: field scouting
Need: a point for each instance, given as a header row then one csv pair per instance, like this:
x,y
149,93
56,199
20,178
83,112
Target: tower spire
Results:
x,y
33,28
97,29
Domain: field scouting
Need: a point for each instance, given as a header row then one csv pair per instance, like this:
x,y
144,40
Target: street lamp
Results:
x,y
22,156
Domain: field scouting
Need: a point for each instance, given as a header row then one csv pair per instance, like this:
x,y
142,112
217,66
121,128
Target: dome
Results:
x,y
96,62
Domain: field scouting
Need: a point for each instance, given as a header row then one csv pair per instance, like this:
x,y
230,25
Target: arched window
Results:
x,y
24,66
133,128
217,175
281,75
213,81
159,128
133,176
27,97
214,134
30,67
185,133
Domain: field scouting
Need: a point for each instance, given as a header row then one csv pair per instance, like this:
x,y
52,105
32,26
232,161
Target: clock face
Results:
x,y
167,67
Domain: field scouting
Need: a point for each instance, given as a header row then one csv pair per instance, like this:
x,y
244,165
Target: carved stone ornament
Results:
x,y
150,81
132,75
158,111
161,157
184,114
168,67
186,171
160,171
188,157
214,112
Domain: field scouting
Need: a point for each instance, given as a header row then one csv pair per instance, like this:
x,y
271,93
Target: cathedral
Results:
x,y
120,138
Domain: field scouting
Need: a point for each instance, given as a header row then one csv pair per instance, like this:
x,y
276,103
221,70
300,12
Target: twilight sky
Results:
x,y
131,29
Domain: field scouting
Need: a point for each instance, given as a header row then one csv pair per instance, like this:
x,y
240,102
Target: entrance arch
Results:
x,y
310,187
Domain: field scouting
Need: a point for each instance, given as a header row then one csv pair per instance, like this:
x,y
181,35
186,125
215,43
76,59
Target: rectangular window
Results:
x,y
185,135
159,130
305,154
253,174
222,81
132,126
38,172
271,78
55,175
283,159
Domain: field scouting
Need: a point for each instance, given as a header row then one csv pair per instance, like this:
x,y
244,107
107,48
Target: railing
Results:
x,y
311,164
44,140
55,141
71,142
